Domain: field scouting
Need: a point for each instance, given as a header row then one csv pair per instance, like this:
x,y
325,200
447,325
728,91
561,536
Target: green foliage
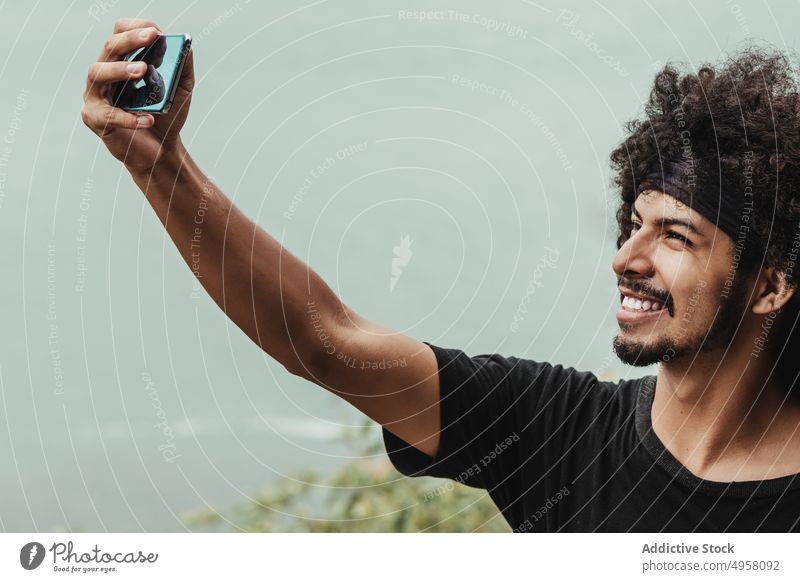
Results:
x,y
366,495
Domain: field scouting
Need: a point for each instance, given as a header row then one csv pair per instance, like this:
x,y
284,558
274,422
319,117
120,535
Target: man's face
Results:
x,y
683,296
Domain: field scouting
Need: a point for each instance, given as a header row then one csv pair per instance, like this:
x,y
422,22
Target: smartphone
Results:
x,y
153,92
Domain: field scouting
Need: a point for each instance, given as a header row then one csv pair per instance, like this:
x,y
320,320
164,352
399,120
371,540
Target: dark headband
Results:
x,y
720,206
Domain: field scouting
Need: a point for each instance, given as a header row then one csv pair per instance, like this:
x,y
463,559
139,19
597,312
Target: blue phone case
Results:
x,y
154,92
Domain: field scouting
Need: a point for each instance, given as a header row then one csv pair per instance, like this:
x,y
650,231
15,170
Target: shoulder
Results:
x,y
538,384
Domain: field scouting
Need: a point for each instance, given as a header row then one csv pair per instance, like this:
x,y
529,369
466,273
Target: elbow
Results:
x,y
309,363
313,354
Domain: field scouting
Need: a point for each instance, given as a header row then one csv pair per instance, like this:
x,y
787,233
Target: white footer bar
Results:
x,y
386,557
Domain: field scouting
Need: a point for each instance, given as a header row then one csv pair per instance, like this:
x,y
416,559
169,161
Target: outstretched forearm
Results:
x,y
275,298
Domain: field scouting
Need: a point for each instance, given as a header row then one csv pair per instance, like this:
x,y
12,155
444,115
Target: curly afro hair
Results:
x,y
738,125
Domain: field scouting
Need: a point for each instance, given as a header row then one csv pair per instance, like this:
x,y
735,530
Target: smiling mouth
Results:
x,y
637,305
631,313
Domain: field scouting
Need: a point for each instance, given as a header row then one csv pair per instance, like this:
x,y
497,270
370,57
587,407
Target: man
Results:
x,y
706,269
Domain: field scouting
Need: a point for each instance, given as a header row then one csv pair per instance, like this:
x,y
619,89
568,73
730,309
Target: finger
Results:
x,y
99,116
120,44
110,72
123,24
186,81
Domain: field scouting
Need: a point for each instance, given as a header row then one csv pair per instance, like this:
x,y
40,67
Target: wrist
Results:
x,y
171,159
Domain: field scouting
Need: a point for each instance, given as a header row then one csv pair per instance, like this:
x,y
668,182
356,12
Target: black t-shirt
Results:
x,y
560,450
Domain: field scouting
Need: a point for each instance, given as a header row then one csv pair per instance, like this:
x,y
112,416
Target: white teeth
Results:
x,y
636,304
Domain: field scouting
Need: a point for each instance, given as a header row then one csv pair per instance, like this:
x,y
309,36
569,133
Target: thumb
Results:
x,y
186,82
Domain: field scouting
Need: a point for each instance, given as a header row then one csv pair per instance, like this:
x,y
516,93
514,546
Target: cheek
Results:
x,y
699,304
676,273
689,285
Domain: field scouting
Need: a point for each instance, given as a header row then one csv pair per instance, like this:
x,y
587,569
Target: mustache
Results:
x,y
663,296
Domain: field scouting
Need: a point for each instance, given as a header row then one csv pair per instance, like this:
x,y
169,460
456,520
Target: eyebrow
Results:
x,y
670,222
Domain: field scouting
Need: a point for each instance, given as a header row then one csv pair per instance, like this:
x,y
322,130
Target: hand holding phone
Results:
x,y
154,92
138,107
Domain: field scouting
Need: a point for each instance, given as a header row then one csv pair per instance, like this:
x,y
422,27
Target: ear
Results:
x,y
771,291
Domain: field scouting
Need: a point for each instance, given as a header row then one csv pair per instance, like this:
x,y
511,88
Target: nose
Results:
x,y
634,258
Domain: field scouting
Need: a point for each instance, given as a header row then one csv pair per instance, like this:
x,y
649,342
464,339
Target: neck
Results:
x,y
723,419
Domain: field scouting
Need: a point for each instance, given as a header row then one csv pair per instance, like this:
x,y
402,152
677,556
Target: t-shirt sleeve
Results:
x,y
490,406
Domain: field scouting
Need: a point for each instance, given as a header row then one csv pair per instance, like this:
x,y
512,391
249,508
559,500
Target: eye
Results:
x,y
679,237
635,225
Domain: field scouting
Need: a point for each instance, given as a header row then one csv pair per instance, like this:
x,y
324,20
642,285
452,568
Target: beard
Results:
x,y
665,348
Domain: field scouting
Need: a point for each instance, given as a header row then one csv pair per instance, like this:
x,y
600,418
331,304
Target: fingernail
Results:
x,y
143,120
145,33
134,67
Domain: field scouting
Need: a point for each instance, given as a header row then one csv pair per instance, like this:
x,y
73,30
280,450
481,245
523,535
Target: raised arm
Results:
x,y
275,298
